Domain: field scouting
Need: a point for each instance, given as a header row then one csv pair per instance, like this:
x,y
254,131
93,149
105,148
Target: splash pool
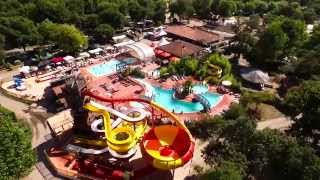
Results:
x,y
109,67
165,98
104,69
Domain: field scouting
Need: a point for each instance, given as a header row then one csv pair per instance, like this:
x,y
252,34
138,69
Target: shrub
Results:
x,y
16,154
136,72
258,97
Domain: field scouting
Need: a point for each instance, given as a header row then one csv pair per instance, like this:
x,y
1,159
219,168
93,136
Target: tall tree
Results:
x,y
203,8
272,42
2,56
305,100
19,31
227,8
104,32
67,37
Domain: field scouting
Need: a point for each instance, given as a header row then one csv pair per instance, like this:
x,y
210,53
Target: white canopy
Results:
x,y
124,43
116,39
25,69
226,83
256,76
143,51
95,51
84,55
109,47
163,42
68,58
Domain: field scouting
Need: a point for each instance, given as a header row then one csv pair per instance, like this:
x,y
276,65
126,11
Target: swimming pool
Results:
x,y
200,89
104,69
164,98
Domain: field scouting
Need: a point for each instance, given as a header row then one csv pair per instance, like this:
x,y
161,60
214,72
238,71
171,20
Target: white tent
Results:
x,y
118,39
163,42
159,32
124,43
84,55
95,51
69,59
25,69
256,76
143,51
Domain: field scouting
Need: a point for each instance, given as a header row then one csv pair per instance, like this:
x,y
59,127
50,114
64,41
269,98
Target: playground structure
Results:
x,y
164,146
19,84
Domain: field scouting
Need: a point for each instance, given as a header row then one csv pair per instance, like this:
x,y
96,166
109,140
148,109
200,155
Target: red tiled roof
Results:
x,y
180,48
193,34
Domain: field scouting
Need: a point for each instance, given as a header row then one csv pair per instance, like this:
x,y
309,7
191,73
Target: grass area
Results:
x,y
265,111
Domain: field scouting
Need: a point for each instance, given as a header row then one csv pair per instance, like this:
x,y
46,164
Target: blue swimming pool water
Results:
x,y
164,98
200,89
104,69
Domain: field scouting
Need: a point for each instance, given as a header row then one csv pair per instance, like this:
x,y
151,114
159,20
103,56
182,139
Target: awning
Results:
x,y
84,55
226,83
57,60
95,51
44,63
25,69
69,59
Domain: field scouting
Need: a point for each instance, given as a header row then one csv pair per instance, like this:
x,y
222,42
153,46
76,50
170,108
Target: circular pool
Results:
x,y
163,97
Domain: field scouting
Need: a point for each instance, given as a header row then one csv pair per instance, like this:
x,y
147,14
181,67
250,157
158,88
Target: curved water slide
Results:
x,y
142,116
165,146
132,130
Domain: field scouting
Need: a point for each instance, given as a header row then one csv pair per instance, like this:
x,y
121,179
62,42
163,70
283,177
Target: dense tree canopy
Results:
x,y
18,31
16,154
104,32
66,37
19,19
236,150
305,99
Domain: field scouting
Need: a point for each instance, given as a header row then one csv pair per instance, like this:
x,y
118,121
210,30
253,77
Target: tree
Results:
x,y
203,8
66,37
226,171
305,99
159,15
182,8
54,10
18,31
16,154
136,12
270,47
104,32
296,32
227,8
112,17
2,56
292,10
236,150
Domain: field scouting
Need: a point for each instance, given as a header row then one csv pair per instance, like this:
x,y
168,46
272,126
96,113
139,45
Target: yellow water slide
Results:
x,y
120,139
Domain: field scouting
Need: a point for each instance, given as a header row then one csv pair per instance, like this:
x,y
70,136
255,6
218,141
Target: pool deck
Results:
x,y
223,105
114,87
